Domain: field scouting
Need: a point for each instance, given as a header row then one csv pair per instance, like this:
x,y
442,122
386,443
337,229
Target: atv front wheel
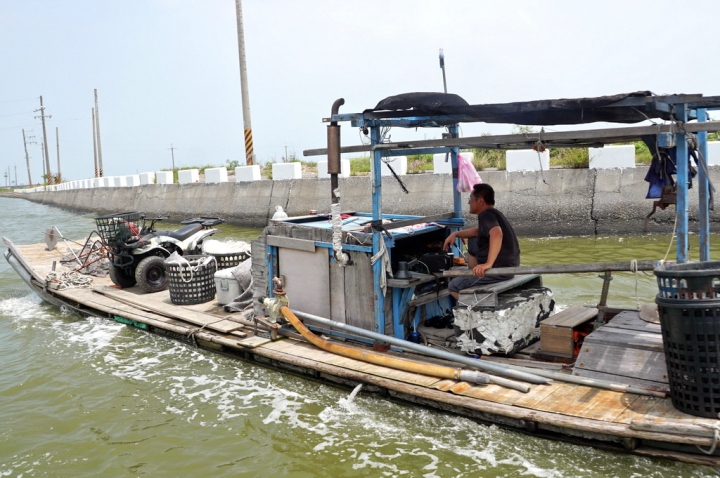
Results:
x,y
150,274
122,277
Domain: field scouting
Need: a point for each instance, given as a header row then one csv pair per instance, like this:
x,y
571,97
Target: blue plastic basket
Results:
x,y
689,281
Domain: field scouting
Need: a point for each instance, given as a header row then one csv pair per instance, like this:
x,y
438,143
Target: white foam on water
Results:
x,y
25,310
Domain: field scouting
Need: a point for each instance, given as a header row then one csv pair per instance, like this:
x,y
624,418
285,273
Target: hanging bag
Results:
x,y
467,175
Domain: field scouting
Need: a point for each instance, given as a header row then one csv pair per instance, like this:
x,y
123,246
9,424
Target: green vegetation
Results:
x,y
201,170
360,166
642,153
420,163
569,158
488,158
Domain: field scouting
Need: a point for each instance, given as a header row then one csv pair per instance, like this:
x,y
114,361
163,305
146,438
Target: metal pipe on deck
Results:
x,y
441,354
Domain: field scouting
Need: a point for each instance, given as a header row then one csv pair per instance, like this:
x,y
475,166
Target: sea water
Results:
x,y
87,397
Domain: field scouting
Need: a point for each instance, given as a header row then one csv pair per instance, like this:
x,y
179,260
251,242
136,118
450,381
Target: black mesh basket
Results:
x,y
689,281
119,227
232,259
691,338
192,282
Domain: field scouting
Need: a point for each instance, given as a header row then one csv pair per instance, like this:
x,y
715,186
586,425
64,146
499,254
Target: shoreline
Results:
x,y
557,202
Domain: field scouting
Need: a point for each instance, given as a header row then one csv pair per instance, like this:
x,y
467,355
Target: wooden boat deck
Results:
x,y
555,410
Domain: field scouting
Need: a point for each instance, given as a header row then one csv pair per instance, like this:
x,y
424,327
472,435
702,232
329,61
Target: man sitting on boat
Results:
x,y
492,243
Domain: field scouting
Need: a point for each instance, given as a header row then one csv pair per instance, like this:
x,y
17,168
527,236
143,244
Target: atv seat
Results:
x,y
182,233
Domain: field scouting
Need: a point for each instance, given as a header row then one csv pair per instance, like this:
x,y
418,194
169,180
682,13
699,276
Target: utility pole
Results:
x,y
47,174
15,166
97,132
57,146
286,156
172,152
249,153
27,156
42,148
94,143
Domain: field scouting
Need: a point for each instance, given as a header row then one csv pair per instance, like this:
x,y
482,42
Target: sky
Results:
x,y
167,71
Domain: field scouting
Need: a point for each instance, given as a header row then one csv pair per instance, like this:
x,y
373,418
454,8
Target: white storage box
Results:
x,y
226,286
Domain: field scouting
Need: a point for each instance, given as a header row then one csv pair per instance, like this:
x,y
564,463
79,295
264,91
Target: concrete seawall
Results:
x,y
556,202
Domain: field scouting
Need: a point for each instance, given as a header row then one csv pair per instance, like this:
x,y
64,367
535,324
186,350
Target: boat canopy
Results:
x,y
623,108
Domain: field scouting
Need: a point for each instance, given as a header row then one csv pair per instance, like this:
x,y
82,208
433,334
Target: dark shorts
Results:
x,y
461,283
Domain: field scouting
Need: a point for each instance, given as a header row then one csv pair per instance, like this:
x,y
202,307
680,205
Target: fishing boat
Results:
x,y
336,296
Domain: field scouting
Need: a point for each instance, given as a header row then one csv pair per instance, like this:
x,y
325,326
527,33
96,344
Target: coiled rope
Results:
x,y
69,280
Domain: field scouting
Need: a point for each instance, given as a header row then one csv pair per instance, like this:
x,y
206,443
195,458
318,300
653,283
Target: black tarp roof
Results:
x,y
541,112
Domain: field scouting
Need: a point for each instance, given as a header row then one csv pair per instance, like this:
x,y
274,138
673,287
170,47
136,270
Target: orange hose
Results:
x,y
371,357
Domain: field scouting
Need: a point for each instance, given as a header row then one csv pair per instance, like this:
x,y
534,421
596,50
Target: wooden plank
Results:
x,y
607,405
571,317
537,394
559,396
170,310
23,261
602,136
291,243
252,342
638,408
556,269
575,400
625,338
623,362
499,287
444,385
492,392
626,380
630,319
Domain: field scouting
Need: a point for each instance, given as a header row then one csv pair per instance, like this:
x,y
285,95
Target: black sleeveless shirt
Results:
x,y
509,255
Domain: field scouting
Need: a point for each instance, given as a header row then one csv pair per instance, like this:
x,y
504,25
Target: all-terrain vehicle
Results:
x,y
138,251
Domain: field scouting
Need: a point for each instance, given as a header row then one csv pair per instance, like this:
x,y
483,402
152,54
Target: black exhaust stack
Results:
x,y
333,149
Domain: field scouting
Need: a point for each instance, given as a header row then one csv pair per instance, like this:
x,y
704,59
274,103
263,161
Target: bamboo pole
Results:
x,y
559,269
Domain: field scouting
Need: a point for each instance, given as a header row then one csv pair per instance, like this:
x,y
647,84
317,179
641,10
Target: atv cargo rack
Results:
x,y
119,227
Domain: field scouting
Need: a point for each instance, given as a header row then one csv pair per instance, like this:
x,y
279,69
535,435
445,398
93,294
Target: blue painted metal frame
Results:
x,y
271,253
703,190
681,207
379,298
400,297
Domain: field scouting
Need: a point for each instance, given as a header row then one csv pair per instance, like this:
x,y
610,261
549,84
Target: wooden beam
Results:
x,y
557,269
581,138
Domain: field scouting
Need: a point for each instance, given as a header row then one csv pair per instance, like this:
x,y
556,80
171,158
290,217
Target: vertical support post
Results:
x,y
457,197
27,159
271,253
47,174
97,133
57,147
703,190
247,123
681,208
379,309
95,155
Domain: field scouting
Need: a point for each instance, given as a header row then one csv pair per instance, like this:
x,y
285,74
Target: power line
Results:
x,y
15,101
